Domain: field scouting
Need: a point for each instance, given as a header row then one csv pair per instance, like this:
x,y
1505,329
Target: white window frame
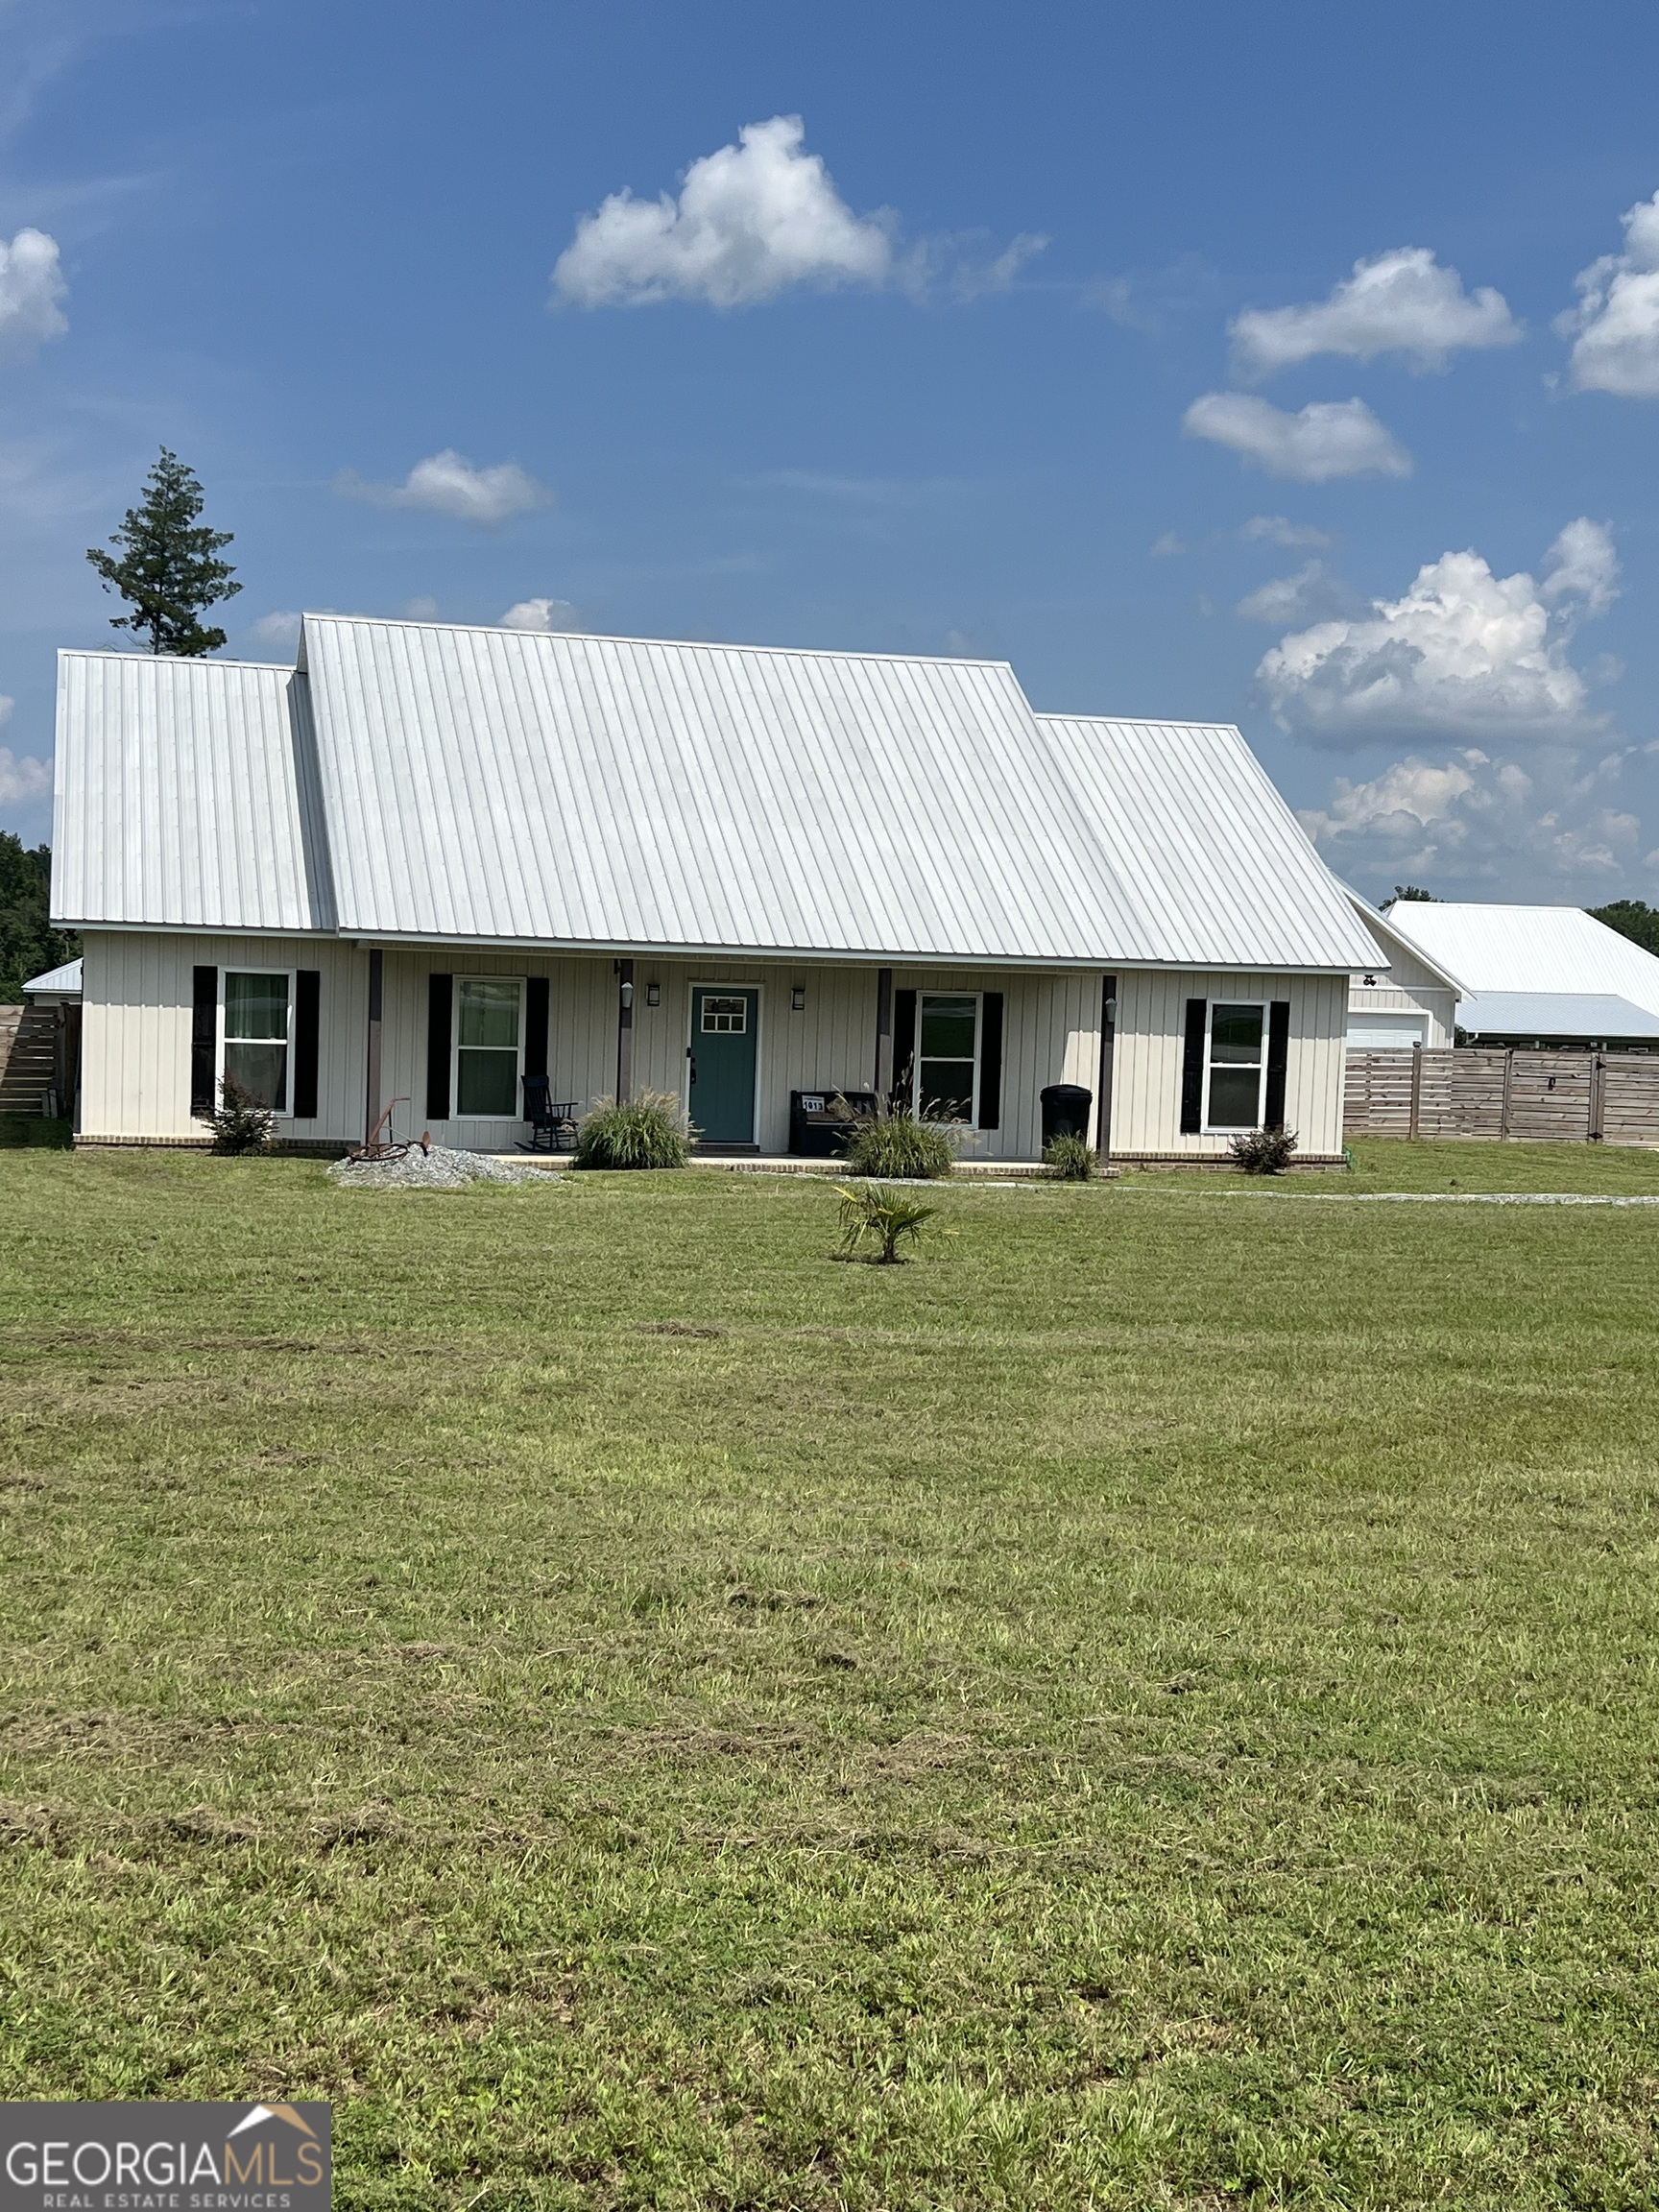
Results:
x,y
1263,1008
978,998
727,990
516,1114
221,1040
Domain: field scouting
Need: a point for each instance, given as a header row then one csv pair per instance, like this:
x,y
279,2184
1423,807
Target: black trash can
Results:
x,y
1064,1111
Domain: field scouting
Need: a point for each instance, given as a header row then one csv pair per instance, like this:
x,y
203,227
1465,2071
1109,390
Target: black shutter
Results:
x,y
203,1043
991,1060
1277,1059
904,1042
307,1035
535,994
440,996
1192,1070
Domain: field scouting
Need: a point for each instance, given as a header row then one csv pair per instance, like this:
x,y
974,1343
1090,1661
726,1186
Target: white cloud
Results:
x,y
1280,530
6,705
1401,302
1167,545
1463,654
23,780
972,280
1328,438
751,220
449,483
1614,327
281,628
31,287
540,614
1314,594
1484,824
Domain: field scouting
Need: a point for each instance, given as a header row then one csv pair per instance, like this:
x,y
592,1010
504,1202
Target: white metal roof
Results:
x,y
1586,1015
186,795
57,983
429,782
1530,948
1206,864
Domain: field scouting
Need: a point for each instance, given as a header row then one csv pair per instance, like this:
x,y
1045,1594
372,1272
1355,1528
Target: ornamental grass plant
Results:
x,y
649,1130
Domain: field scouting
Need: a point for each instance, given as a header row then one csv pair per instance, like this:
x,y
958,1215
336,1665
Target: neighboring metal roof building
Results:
x,y
186,795
1577,1016
57,983
1530,949
498,786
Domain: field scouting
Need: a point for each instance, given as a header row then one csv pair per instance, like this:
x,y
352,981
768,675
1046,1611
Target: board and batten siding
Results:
x,y
137,995
1405,986
1151,1040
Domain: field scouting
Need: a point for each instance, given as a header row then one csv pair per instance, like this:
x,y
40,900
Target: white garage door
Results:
x,y
1370,1032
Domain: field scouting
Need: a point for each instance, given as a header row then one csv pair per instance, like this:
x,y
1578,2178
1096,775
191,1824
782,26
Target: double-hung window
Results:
x,y
1237,1062
489,1028
255,1038
947,1055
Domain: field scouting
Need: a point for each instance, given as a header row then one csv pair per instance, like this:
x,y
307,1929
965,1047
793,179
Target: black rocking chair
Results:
x,y
552,1121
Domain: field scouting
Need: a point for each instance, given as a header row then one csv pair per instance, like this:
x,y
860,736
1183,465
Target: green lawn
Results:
x,y
1151,1705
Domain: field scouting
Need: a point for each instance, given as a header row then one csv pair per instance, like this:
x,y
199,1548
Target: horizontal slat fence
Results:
x,y
1582,1096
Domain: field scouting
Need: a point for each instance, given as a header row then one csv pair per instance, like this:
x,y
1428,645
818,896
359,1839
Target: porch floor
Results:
x,y
789,1163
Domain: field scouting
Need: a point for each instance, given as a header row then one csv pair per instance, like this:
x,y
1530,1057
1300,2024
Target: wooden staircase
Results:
x,y
28,1061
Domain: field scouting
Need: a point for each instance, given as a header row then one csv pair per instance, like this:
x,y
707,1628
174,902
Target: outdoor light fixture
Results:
x,y
797,999
627,996
653,994
1110,1009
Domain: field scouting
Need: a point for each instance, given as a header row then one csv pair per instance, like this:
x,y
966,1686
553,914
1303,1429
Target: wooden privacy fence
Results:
x,y
1610,1097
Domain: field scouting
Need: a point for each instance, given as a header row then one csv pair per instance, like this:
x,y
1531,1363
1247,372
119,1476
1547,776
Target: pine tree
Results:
x,y
171,570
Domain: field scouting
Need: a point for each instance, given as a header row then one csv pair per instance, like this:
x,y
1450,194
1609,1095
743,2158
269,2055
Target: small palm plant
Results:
x,y
882,1216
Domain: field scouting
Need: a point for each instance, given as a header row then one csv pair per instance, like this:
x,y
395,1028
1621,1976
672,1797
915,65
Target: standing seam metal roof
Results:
x,y
432,783
1528,949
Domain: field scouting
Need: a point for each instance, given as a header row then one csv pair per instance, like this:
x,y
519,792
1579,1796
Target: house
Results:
x,y
1534,975
427,862
1405,998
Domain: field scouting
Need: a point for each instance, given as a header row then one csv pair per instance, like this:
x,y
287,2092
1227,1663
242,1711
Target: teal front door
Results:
x,y
723,1041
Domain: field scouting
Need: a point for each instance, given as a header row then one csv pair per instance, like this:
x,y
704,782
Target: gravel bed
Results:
x,y
439,1169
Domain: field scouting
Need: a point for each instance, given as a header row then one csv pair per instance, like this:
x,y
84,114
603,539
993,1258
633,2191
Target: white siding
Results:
x,y
1151,1040
1407,986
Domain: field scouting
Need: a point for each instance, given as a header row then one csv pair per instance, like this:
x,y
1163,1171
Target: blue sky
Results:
x,y
992,355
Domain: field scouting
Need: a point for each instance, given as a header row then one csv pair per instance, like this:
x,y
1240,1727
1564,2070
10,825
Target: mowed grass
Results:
x,y
1152,1705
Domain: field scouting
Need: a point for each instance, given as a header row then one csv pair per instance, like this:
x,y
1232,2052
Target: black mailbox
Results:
x,y
822,1122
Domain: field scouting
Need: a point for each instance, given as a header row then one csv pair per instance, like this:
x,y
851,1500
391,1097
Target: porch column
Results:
x,y
624,1030
1108,1050
883,1033
376,1006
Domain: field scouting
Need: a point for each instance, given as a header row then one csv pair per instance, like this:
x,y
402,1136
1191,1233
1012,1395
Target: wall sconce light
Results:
x,y
1110,1009
627,996
653,994
797,999
1370,982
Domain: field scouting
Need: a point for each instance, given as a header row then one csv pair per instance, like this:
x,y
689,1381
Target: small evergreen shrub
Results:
x,y
1263,1152
882,1217
1071,1159
646,1131
241,1124
895,1145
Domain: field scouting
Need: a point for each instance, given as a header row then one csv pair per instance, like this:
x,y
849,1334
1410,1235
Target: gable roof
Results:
x,y
1392,939
1530,949
489,786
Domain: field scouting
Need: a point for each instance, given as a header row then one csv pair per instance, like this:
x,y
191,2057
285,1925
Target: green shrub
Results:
x,y
896,1146
883,1217
1071,1159
241,1124
1264,1151
646,1131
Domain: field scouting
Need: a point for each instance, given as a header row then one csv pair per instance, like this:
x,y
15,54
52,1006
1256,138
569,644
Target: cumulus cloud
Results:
x,y
1401,303
1483,823
449,483
540,614
1328,438
1463,652
1314,594
1280,530
32,290
281,628
23,780
751,220
1614,327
